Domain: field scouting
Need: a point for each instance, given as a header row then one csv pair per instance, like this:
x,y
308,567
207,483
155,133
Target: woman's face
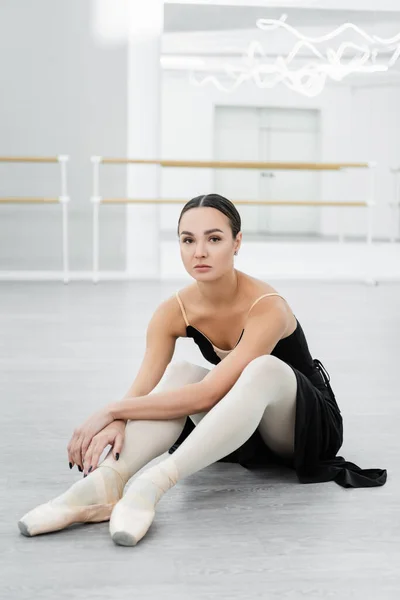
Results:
x,y
205,237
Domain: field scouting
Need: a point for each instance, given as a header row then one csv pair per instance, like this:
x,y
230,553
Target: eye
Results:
x,y
190,239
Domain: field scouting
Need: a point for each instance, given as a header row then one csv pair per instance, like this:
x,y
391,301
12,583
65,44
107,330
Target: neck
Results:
x,y
220,292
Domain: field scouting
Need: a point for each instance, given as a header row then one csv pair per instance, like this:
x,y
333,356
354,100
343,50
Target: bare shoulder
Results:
x,y
253,288
258,288
170,312
192,302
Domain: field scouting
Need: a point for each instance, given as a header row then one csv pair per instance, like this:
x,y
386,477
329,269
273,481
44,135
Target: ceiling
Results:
x,y
219,30
213,17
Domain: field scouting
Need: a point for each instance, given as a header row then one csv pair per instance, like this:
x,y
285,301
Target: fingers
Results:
x,y
69,452
89,458
85,443
93,453
117,447
85,452
74,450
77,457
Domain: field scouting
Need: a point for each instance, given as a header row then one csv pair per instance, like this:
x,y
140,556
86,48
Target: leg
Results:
x,y
264,385
92,499
146,440
277,426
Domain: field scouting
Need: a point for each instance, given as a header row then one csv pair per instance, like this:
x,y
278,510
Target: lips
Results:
x,y
202,267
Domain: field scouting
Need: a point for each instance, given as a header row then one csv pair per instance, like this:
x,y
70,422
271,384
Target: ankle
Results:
x,y
118,476
162,477
112,482
102,486
119,467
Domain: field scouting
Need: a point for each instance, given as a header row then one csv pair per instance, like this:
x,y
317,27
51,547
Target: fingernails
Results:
x,y
85,476
90,469
80,469
70,465
117,455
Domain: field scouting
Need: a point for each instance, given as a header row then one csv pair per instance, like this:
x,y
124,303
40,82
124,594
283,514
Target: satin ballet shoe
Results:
x,y
128,524
134,513
49,517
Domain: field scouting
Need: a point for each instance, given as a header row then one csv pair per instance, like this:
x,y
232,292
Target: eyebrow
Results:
x,y
205,233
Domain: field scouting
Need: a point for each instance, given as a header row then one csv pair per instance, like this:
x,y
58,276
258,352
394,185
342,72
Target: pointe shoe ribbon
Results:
x,y
133,515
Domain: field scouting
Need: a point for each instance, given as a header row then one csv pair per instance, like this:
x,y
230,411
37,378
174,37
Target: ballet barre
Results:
x,y
31,159
28,200
255,202
63,199
218,164
96,199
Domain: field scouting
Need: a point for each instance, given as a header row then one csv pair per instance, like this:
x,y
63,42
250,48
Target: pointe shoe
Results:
x,y
128,524
54,517
134,513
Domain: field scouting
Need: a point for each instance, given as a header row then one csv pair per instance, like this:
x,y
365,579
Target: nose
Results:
x,y
200,250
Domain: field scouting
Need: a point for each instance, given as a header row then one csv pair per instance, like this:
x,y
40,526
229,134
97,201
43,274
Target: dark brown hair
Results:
x,y
220,203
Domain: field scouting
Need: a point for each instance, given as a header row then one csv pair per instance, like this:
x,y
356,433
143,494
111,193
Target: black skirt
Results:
x,y
318,438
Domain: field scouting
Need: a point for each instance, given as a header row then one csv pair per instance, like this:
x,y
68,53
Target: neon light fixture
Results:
x,y
309,79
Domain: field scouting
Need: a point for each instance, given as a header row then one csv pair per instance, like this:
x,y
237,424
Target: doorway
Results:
x,y
269,134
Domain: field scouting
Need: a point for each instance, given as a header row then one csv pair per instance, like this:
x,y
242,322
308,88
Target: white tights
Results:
x,y
263,397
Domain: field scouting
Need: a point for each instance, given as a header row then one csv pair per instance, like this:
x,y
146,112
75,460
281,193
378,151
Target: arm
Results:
x,y
264,328
186,400
160,344
140,402
161,338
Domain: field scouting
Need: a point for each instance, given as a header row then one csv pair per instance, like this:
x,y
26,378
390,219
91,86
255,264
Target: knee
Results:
x,y
265,365
177,373
179,366
183,372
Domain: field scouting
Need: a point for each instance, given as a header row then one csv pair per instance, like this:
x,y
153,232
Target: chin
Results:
x,y
201,275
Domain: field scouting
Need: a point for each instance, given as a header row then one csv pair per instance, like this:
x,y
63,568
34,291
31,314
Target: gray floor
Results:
x,y
225,532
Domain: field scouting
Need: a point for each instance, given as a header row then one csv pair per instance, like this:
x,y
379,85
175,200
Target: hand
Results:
x,y
114,435
83,435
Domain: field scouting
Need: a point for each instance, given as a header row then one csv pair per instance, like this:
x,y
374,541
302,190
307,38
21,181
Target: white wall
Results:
x,y
356,125
62,91
376,119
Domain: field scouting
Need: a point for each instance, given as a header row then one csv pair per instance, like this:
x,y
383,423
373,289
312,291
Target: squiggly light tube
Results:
x,y
309,79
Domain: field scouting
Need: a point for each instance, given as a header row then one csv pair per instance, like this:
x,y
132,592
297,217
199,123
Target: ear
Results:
x,y
238,241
